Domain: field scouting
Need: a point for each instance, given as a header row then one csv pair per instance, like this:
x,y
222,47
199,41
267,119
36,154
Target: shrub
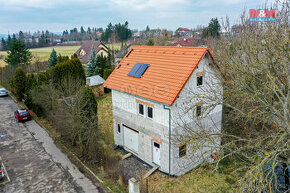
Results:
x,y
18,84
52,59
107,73
88,102
71,68
44,77
30,83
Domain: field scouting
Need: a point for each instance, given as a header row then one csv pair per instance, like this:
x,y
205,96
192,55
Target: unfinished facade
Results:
x,y
152,90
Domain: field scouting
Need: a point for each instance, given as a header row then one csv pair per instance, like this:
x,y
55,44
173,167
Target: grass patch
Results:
x,y
115,46
105,118
44,53
201,179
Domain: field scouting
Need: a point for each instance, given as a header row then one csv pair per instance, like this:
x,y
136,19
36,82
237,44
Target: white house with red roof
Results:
x,y
158,108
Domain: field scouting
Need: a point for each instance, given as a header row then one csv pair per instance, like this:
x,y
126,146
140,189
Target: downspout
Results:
x,y
169,127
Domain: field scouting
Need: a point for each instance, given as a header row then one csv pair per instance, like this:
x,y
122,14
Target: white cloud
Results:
x,y
147,4
232,1
45,3
26,3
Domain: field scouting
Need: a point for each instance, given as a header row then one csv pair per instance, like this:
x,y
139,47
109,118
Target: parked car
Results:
x,y
3,92
2,174
22,115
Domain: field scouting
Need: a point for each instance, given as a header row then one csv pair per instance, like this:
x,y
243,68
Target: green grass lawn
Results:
x,y
201,179
44,53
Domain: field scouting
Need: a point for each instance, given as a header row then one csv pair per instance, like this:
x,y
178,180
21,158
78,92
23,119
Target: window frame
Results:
x,y
148,112
198,111
118,128
202,81
182,150
142,109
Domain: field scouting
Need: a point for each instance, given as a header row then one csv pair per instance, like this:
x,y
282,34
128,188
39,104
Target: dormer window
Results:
x,y
82,52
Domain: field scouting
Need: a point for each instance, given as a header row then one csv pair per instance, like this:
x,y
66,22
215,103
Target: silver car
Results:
x,y
3,92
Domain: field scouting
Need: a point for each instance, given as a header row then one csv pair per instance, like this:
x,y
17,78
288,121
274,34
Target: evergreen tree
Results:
x,y
61,58
4,44
42,41
52,58
21,36
82,30
18,84
18,54
88,102
107,73
150,42
30,83
71,68
9,40
213,29
47,37
74,56
108,32
97,71
92,62
123,32
89,30
33,42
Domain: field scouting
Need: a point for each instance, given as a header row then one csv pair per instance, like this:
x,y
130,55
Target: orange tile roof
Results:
x,y
169,70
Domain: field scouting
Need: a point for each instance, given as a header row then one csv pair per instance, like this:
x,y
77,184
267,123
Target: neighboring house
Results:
x,y
184,32
120,54
84,51
185,43
190,42
151,87
96,83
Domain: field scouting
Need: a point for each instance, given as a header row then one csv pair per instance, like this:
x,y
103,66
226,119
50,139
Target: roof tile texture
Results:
x,y
169,70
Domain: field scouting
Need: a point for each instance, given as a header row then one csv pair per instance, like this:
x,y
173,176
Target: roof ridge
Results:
x,y
173,47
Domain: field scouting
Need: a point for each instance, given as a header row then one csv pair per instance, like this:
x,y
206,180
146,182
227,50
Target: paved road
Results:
x,y
32,160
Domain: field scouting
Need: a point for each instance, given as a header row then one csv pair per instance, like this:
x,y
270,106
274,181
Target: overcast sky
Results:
x,y
57,15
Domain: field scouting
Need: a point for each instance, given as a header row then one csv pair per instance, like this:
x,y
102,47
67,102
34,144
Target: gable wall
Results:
x,y
183,115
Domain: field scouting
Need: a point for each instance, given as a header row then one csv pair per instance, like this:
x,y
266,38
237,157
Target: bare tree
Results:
x,y
255,97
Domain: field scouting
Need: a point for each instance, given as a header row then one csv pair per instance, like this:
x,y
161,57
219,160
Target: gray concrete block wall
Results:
x,y
148,130
194,158
125,110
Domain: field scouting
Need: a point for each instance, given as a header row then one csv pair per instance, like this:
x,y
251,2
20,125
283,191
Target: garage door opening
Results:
x,y
131,139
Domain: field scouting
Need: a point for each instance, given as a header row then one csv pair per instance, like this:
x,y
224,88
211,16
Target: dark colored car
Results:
x,y
22,115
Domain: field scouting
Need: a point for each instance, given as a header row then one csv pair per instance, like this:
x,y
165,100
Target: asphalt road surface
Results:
x,y
33,162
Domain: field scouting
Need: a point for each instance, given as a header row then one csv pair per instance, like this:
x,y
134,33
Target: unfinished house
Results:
x,y
155,96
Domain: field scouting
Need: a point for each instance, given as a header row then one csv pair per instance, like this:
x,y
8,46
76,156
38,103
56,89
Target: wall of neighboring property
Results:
x,y
125,112
98,90
103,52
104,47
185,123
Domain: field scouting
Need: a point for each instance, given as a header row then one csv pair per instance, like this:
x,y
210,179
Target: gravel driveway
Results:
x,y
32,160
